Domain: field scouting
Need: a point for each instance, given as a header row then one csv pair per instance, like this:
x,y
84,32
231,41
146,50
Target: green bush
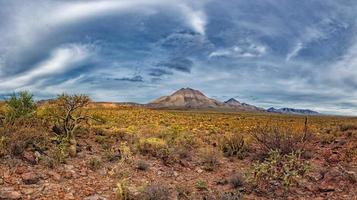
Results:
x,y
279,170
19,106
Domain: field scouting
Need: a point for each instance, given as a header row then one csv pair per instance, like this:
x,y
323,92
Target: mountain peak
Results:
x,y
188,92
186,98
232,101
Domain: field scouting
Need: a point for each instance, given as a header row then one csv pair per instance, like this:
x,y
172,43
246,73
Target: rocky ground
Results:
x,y
26,178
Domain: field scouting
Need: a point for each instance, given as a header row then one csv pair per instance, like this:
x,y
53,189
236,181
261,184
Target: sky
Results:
x,y
281,53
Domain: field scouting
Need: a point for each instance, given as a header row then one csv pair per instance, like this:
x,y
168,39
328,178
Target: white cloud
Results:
x,y
62,59
244,51
298,47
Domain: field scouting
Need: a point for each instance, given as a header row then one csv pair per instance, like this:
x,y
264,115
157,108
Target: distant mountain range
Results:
x,y
188,98
293,111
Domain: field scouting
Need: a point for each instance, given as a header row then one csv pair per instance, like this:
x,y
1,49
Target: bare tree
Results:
x,y
69,116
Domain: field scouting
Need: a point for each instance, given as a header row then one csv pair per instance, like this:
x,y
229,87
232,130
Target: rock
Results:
x,y
176,174
28,191
1,181
325,186
29,157
30,178
69,196
352,176
9,194
72,150
334,158
21,170
37,156
95,197
55,175
315,176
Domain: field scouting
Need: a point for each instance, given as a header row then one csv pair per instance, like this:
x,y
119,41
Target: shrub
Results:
x,y
122,192
234,195
236,180
142,165
19,106
3,145
279,170
232,145
183,192
156,192
201,185
275,138
154,146
94,163
347,127
209,158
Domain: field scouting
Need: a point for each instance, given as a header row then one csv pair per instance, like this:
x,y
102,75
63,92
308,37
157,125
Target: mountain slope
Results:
x,y
186,98
242,106
293,111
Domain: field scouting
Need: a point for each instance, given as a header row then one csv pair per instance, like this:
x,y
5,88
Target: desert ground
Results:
x,y
133,152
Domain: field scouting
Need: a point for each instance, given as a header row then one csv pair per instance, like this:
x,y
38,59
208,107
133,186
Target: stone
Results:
x,y
9,194
176,174
28,191
21,170
334,158
55,175
352,176
72,150
325,186
315,176
30,178
29,157
95,197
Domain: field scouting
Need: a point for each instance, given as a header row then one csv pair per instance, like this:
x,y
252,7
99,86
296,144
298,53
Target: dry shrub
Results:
x,y
142,165
348,127
154,146
236,181
3,145
94,163
234,195
278,138
156,192
209,158
233,145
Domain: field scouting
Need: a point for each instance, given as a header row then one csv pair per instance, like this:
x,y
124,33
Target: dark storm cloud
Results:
x,y
179,64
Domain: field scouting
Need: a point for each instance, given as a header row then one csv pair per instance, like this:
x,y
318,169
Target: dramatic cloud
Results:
x,y
178,63
264,52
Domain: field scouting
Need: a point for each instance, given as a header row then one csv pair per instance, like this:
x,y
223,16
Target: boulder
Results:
x,y
8,193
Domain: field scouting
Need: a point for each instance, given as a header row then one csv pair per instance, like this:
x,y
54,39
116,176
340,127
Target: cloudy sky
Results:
x,y
282,53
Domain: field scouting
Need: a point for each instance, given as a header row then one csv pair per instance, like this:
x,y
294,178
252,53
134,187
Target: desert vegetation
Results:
x,y
71,148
